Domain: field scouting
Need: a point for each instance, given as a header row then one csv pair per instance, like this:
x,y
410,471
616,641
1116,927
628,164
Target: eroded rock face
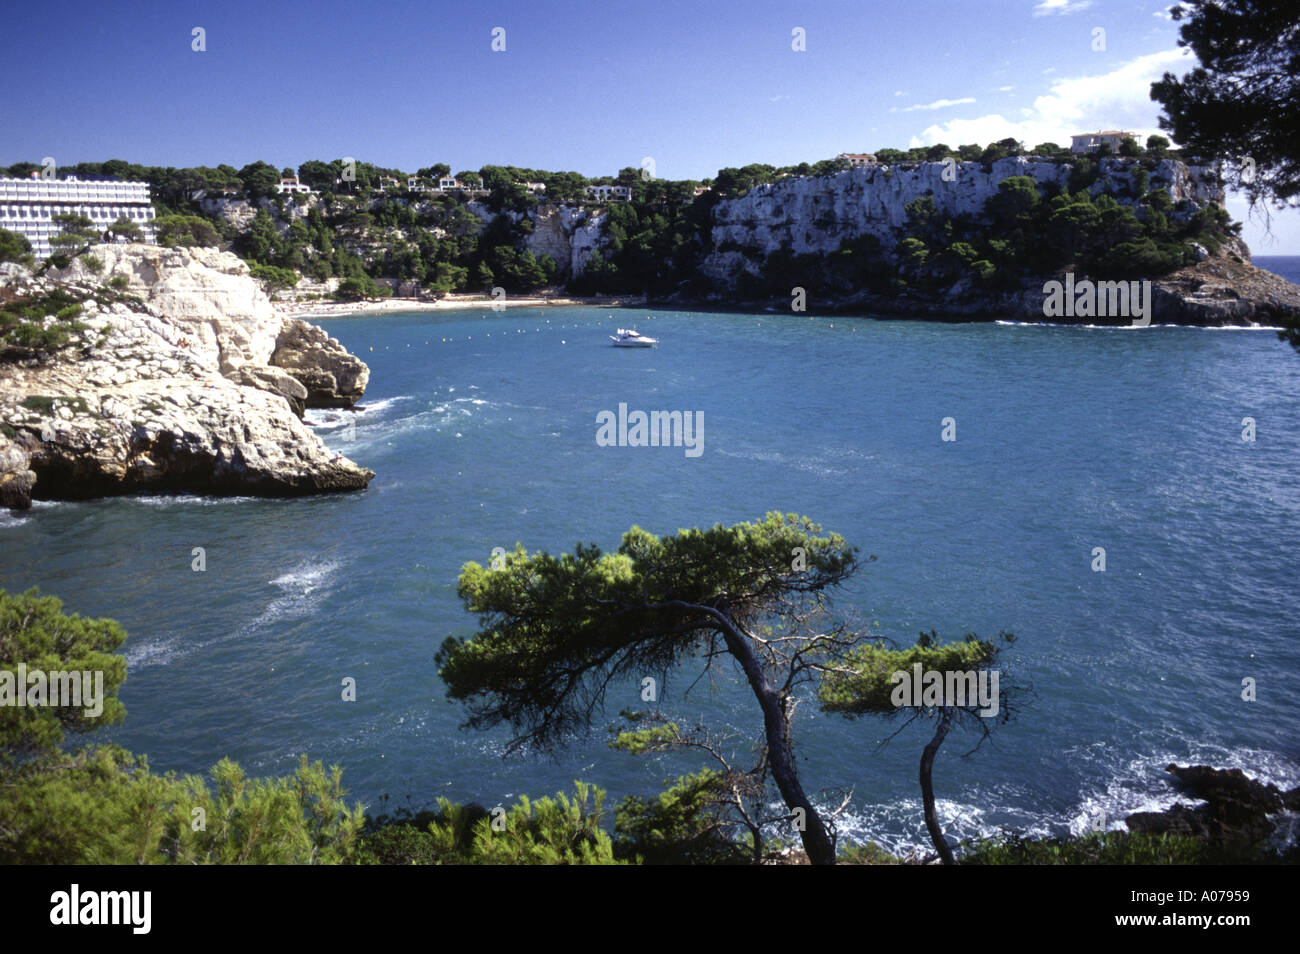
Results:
x,y
330,376
1226,289
277,381
16,474
163,392
202,295
815,214
568,234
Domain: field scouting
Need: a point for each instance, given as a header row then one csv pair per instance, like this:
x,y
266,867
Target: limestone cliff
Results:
x,y
185,378
815,214
569,234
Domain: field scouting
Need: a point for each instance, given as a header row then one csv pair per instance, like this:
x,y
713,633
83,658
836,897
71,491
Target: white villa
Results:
x,y
535,187
1090,142
449,184
28,206
604,193
855,159
291,184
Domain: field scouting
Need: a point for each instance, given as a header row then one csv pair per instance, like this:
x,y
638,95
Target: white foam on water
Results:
x,y
306,577
185,500
324,420
16,518
805,462
333,418
1133,785
383,404
1142,784
303,589
899,827
160,652
1131,327
1233,327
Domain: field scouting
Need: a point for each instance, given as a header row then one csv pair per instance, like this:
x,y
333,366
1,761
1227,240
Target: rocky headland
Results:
x,y
1237,812
178,375
814,215
1222,289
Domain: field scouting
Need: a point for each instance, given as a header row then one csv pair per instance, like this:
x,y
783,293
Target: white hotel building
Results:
x,y
28,206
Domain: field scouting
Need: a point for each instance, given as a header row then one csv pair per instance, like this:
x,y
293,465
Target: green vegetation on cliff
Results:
x,y
365,224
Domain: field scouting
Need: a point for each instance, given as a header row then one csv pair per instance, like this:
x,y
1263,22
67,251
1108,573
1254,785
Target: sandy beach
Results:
x,y
387,306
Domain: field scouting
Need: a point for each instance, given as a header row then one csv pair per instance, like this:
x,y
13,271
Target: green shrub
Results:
x,y
14,248
104,806
867,854
687,824
185,230
559,831
398,844
357,288
23,323
274,277
1104,848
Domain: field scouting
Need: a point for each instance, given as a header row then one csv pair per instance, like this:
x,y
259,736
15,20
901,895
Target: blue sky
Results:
x,y
591,87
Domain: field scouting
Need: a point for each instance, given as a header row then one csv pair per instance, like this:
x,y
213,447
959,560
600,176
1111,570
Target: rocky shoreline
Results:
x,y
1238,811
184,378
1223,290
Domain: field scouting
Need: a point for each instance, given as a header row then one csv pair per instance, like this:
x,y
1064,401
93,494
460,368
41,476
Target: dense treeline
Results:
x,y
360,227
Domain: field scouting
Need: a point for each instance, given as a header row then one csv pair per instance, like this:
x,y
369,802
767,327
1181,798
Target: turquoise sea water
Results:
x,y
1067,439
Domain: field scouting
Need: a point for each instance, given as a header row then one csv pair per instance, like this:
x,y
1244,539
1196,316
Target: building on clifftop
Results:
x,y
28,206
1091,142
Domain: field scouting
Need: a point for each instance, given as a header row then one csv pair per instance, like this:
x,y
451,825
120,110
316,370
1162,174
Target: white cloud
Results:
x,y
1116,100
1166,13
1060,7
1005,89
937,104
898,92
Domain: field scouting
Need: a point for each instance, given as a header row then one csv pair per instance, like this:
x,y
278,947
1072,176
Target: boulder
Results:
x,y
277,381
206,297
331,376
16,475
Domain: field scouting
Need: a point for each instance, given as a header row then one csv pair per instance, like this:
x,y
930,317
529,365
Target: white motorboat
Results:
x,y
631,338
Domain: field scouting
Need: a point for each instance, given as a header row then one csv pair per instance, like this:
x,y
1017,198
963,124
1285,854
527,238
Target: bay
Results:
x,y
481,428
